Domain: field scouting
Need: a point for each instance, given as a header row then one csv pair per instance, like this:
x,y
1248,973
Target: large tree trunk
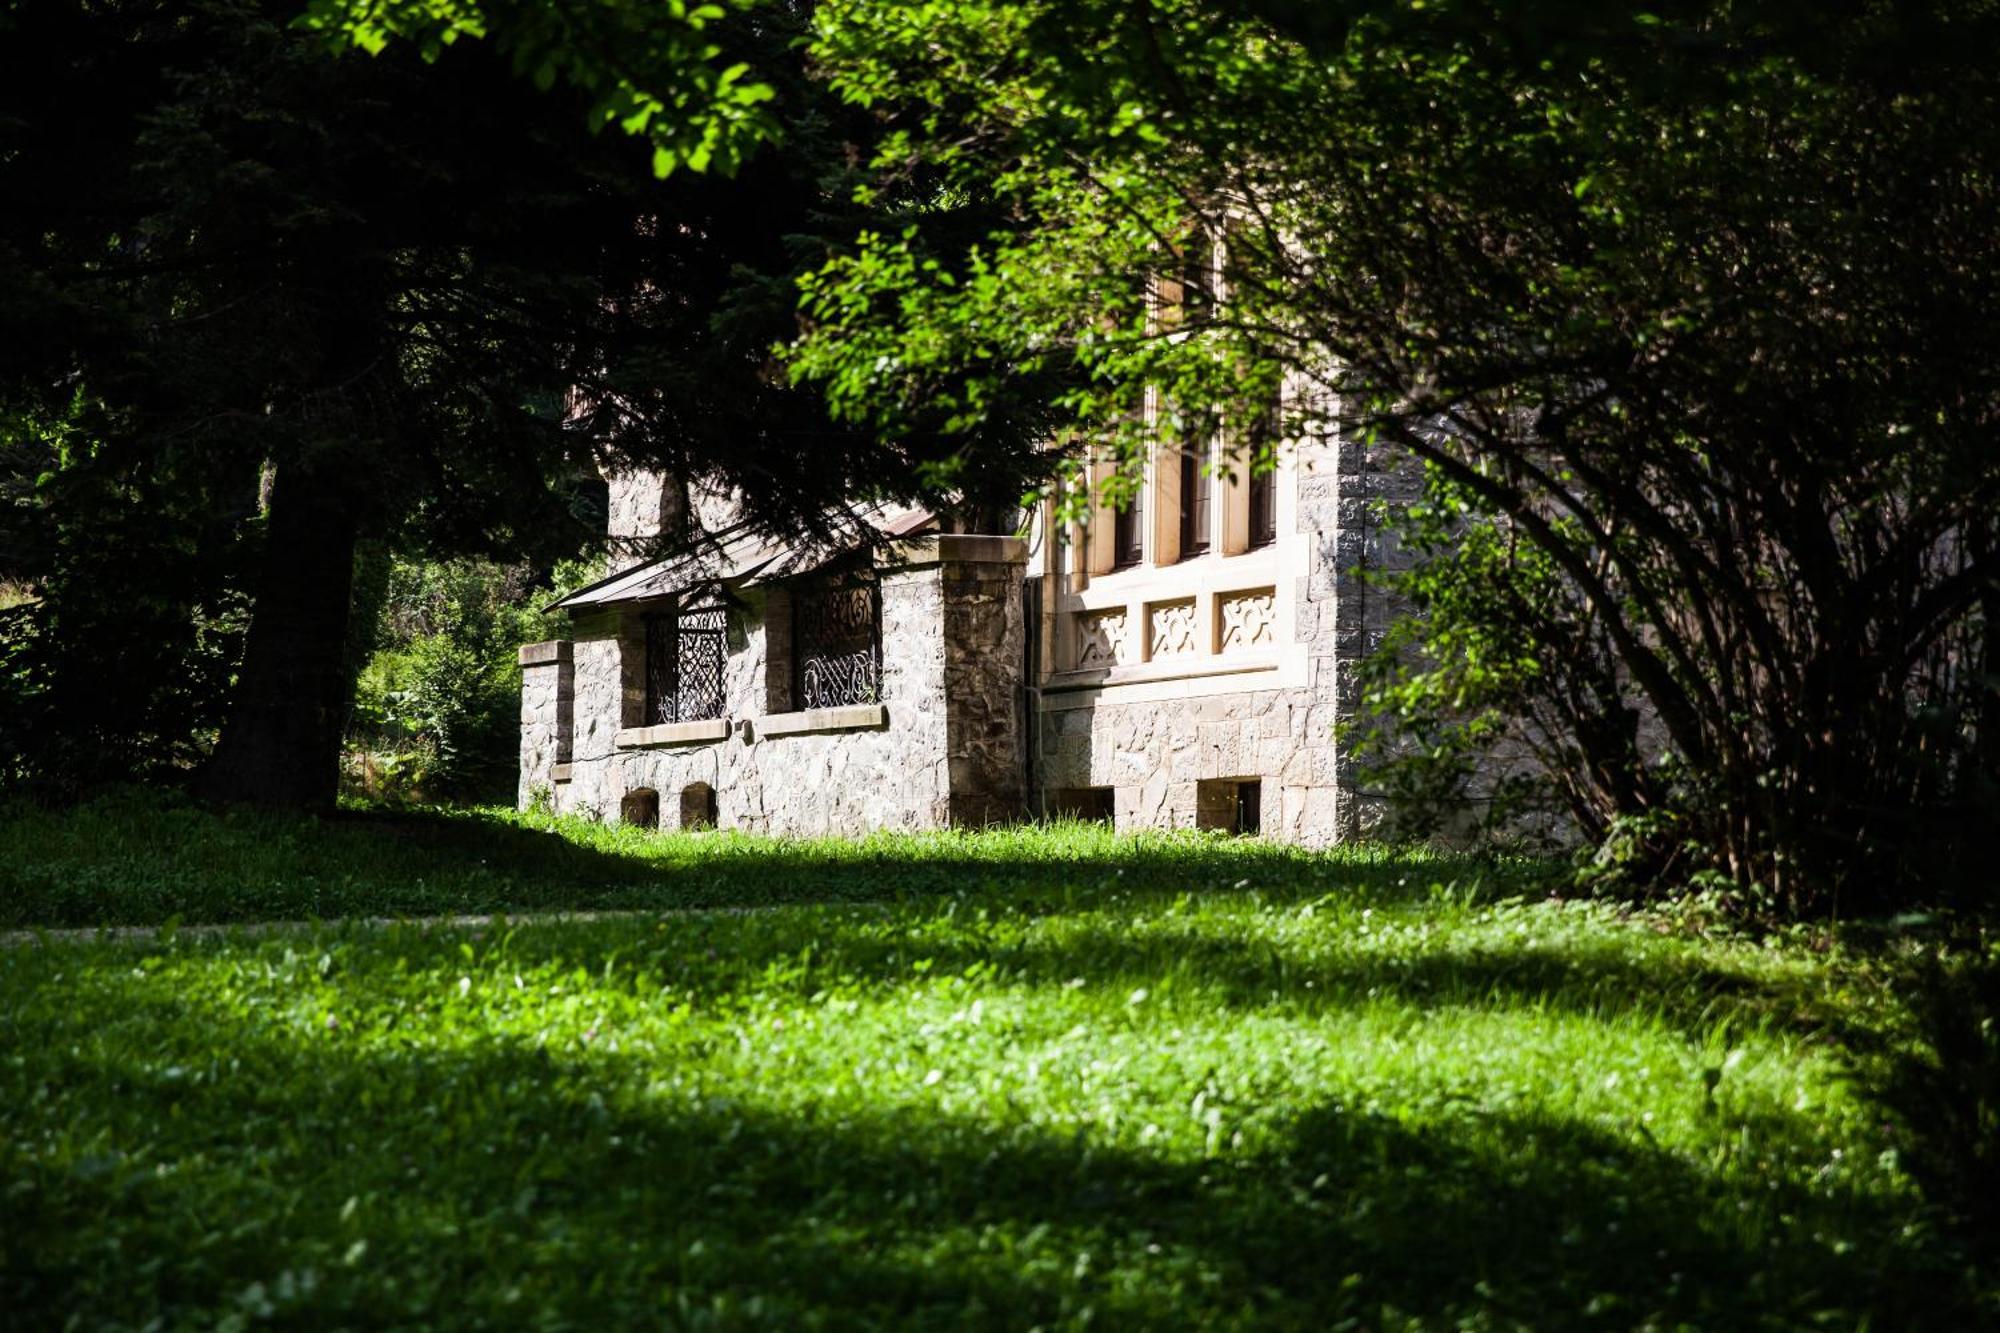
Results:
x,y
280,745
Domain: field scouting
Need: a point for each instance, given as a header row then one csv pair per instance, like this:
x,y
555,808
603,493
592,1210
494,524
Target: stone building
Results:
x,y
1179,662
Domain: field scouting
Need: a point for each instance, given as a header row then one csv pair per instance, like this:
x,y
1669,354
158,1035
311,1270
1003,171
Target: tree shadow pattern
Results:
x,y
140,866
567,1191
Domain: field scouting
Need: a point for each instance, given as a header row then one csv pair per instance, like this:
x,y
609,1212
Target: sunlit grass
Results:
x,y
135,861
1373,1092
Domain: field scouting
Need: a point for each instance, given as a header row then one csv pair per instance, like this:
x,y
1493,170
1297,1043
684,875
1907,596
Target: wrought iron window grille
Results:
x,y
687,656
836,642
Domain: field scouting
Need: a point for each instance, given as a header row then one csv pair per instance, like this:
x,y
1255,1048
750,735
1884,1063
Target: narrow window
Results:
x,y
1263,480
1263,510
1197,516
1089,804
1184,286
1197,278
1128,531
1229,805
660,645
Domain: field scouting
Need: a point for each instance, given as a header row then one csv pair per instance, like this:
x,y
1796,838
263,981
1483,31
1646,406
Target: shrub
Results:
x,y
1944,1092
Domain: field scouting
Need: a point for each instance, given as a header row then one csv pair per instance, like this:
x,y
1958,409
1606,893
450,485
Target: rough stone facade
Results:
x,y
547,707
1167,747
940,746
1016,679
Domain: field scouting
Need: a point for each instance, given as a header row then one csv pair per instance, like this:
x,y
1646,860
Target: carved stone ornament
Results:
x,y
1249,620
1173,628
1101,639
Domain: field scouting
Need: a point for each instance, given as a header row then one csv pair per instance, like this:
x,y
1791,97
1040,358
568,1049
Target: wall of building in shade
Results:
x,y
940,746
1015,680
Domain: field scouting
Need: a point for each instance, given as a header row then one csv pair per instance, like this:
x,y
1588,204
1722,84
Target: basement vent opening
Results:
x,y
1091,804
640,808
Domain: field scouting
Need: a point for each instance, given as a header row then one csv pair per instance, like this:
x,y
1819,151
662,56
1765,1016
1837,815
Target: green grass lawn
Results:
x,y
1044,1077
133,860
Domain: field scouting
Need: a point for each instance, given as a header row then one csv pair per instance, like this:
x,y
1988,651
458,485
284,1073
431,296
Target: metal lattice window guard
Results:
x,y
687,653
837,643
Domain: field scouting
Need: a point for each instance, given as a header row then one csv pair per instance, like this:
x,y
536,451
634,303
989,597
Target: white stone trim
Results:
x,y
1176,678
953,548
853,717
1209,573
672,733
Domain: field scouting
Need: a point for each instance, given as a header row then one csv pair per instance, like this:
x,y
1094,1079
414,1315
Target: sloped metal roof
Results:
x,y
745,558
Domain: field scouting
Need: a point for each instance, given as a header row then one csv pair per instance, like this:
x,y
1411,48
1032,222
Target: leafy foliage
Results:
x,y
417,295
437,701
146,567
649,69
1686,304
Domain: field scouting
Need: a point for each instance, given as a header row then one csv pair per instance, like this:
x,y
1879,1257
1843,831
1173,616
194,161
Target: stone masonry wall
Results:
x,y
1155,754
546,701
984,636
940,716
642,505
947,746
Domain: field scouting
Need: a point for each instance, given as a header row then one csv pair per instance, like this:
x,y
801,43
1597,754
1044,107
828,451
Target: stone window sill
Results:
x,y
854,717
1177,668
674,733
560,773
1193,577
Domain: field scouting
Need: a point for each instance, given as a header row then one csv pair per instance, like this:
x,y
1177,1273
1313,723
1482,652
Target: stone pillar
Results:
x,y
981,581
917,783
547,694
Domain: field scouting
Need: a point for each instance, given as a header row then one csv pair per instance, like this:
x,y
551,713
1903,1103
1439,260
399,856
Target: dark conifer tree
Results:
x,y
290,300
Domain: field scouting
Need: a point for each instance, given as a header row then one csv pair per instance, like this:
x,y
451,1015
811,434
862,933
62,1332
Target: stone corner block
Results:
x,y
981,549
908,553
549,652
961,548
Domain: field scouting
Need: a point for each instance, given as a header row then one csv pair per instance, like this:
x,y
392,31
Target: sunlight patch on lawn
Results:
x,y
1140,1106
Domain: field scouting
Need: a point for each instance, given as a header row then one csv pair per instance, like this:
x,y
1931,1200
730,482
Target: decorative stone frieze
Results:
x,y
1172,627
1102,640
1248,620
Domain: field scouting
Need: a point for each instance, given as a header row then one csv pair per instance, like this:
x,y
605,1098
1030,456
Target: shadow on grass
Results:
x,y
1122,944
499,1185
1598,980
143,859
